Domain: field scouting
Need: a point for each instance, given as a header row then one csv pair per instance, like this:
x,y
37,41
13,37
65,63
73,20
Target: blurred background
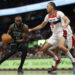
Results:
x,y
33,13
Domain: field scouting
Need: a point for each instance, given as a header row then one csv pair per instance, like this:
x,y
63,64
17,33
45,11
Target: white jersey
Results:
x,y
70,40
67,31
55,21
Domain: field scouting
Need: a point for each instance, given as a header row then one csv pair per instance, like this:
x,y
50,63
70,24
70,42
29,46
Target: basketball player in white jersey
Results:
x,y
70,43
55,18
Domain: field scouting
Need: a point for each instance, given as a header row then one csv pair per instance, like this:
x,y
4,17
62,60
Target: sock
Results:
x,y
55,58
70,56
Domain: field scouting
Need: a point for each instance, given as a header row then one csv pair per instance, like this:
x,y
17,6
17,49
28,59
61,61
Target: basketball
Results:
x,y
6,38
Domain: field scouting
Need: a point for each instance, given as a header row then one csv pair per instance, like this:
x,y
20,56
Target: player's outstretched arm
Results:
x,y
43,24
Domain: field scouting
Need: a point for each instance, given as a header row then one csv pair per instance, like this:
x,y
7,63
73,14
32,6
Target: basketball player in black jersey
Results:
x,y
19,33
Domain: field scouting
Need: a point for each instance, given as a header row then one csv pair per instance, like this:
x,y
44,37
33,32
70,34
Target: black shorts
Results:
x,y
18,46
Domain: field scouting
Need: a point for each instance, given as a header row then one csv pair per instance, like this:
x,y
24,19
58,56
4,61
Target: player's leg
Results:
x,y
51,53
65,50
72,51
7,56
55,62
50,42
13,51
23,57
71,47
71,44
62,47
48,52
56,51
45,48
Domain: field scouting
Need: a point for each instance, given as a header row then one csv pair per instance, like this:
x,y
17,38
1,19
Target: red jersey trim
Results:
x,y
53,15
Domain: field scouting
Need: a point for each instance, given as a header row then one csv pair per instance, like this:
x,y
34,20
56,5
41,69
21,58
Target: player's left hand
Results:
x,y
64,26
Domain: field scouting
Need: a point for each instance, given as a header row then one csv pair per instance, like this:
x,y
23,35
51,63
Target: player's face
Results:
x,y
18,21
49,8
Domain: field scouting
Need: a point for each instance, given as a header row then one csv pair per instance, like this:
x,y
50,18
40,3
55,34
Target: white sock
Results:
x,y
70,56
55,58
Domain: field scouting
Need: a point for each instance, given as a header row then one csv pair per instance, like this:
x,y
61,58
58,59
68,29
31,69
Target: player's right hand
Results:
x,y
30,30
64,26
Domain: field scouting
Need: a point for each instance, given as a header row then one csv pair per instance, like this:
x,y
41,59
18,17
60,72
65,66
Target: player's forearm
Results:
x,y
67,22
37,28
8,32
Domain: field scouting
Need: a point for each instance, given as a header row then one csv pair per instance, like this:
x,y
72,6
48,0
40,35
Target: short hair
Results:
x,y
53,4
18,17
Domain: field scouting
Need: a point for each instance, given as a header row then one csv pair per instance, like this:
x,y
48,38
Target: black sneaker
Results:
x,y
52,69
20,71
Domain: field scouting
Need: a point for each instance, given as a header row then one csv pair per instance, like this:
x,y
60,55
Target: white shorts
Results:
x,y
70,43
54,39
